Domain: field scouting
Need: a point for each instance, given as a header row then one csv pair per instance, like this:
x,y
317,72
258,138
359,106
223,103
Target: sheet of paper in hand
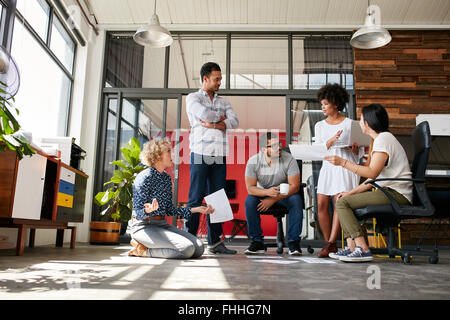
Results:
x,y
308,152
222,209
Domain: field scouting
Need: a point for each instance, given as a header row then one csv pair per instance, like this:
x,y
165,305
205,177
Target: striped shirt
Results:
x,y
209,141
149,184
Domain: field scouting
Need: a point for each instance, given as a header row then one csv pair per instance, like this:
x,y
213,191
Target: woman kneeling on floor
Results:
x,y
388,160
151,235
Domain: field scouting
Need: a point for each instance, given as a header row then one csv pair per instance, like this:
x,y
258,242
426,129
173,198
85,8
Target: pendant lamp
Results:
x,y
372,35
153,35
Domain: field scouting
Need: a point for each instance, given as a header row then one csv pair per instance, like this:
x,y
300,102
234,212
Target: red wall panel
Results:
x,y
242,145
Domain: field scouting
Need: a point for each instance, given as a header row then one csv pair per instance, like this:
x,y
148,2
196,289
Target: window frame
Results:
x,y
9,15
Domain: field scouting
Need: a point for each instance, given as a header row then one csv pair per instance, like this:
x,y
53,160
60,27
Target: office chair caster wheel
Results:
x,y
433,259
407,259
310,250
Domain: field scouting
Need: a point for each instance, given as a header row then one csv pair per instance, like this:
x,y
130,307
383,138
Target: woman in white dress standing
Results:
x,y
333,180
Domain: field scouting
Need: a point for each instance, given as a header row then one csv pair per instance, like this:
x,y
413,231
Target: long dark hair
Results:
x,y
376,117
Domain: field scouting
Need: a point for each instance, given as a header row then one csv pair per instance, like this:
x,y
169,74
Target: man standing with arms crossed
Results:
x,y
209,116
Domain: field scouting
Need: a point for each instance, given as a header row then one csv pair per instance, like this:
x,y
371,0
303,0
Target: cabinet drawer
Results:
x,y
65,200
66,187
67,175
68,215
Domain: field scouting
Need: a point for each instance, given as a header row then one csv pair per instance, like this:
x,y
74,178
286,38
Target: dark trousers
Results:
x,y
208,175
295,221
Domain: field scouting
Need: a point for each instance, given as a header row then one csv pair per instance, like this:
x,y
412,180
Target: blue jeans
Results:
x,y
295,220
208,175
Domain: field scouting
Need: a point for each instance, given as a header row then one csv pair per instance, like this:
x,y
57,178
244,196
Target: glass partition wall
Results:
x,y
270,79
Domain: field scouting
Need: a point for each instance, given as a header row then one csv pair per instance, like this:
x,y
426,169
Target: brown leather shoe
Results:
x,y
326,249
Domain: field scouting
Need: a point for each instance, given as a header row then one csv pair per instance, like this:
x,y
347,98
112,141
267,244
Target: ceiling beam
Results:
x,y
269,27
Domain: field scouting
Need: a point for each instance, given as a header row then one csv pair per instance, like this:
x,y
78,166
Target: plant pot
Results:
x,y
104,233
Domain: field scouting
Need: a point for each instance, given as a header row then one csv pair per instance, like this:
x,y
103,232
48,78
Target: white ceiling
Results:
x,y
270,13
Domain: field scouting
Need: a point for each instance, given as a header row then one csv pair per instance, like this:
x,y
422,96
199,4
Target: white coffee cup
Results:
x,y
284,188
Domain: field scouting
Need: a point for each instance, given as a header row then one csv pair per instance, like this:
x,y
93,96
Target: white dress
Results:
x,y
336,179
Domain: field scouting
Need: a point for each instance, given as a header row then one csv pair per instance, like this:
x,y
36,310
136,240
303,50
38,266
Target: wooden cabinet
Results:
x,y
40,187
21,185
40,192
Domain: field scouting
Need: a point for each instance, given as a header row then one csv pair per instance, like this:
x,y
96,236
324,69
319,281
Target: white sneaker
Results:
x,y
295,252
339,254
256,248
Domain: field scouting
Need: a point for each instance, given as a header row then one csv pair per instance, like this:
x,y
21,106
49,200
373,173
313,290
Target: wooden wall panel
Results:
x,y
410,75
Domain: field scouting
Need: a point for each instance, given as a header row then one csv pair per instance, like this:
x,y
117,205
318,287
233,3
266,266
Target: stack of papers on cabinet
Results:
x,y
51,149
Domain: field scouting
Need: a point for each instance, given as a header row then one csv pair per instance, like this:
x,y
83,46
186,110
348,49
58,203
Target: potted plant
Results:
x,y
10,137
119,197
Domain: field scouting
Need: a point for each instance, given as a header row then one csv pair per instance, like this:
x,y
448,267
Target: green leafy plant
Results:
x,y
119,197
9,127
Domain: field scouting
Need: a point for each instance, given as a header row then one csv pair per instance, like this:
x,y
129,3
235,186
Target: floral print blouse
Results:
x,y
149,184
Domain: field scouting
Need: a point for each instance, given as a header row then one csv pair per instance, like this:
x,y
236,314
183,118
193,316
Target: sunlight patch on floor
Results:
x,y
191,295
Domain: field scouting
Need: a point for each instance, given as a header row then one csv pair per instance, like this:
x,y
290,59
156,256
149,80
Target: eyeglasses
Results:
x,y
275,145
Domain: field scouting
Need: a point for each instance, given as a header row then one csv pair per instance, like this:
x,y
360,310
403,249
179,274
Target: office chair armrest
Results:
x,y
394,203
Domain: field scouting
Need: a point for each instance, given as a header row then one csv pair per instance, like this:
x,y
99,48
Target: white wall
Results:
x,y
90,110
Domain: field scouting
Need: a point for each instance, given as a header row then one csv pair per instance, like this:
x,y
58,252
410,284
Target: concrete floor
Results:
x,y
106,272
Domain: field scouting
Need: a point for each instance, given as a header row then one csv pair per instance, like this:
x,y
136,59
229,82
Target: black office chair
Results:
x,y
389,216
278,211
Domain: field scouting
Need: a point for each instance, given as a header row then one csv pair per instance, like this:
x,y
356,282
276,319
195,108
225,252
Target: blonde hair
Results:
x,y
153,150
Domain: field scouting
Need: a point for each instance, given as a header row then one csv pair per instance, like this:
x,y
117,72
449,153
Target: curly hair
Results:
x,y
335,94
152,151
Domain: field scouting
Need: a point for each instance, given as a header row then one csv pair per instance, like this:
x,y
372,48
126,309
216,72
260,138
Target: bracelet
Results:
x,y
345,163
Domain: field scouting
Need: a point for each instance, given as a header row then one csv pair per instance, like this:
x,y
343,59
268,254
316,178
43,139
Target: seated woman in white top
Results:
x,y
388,160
